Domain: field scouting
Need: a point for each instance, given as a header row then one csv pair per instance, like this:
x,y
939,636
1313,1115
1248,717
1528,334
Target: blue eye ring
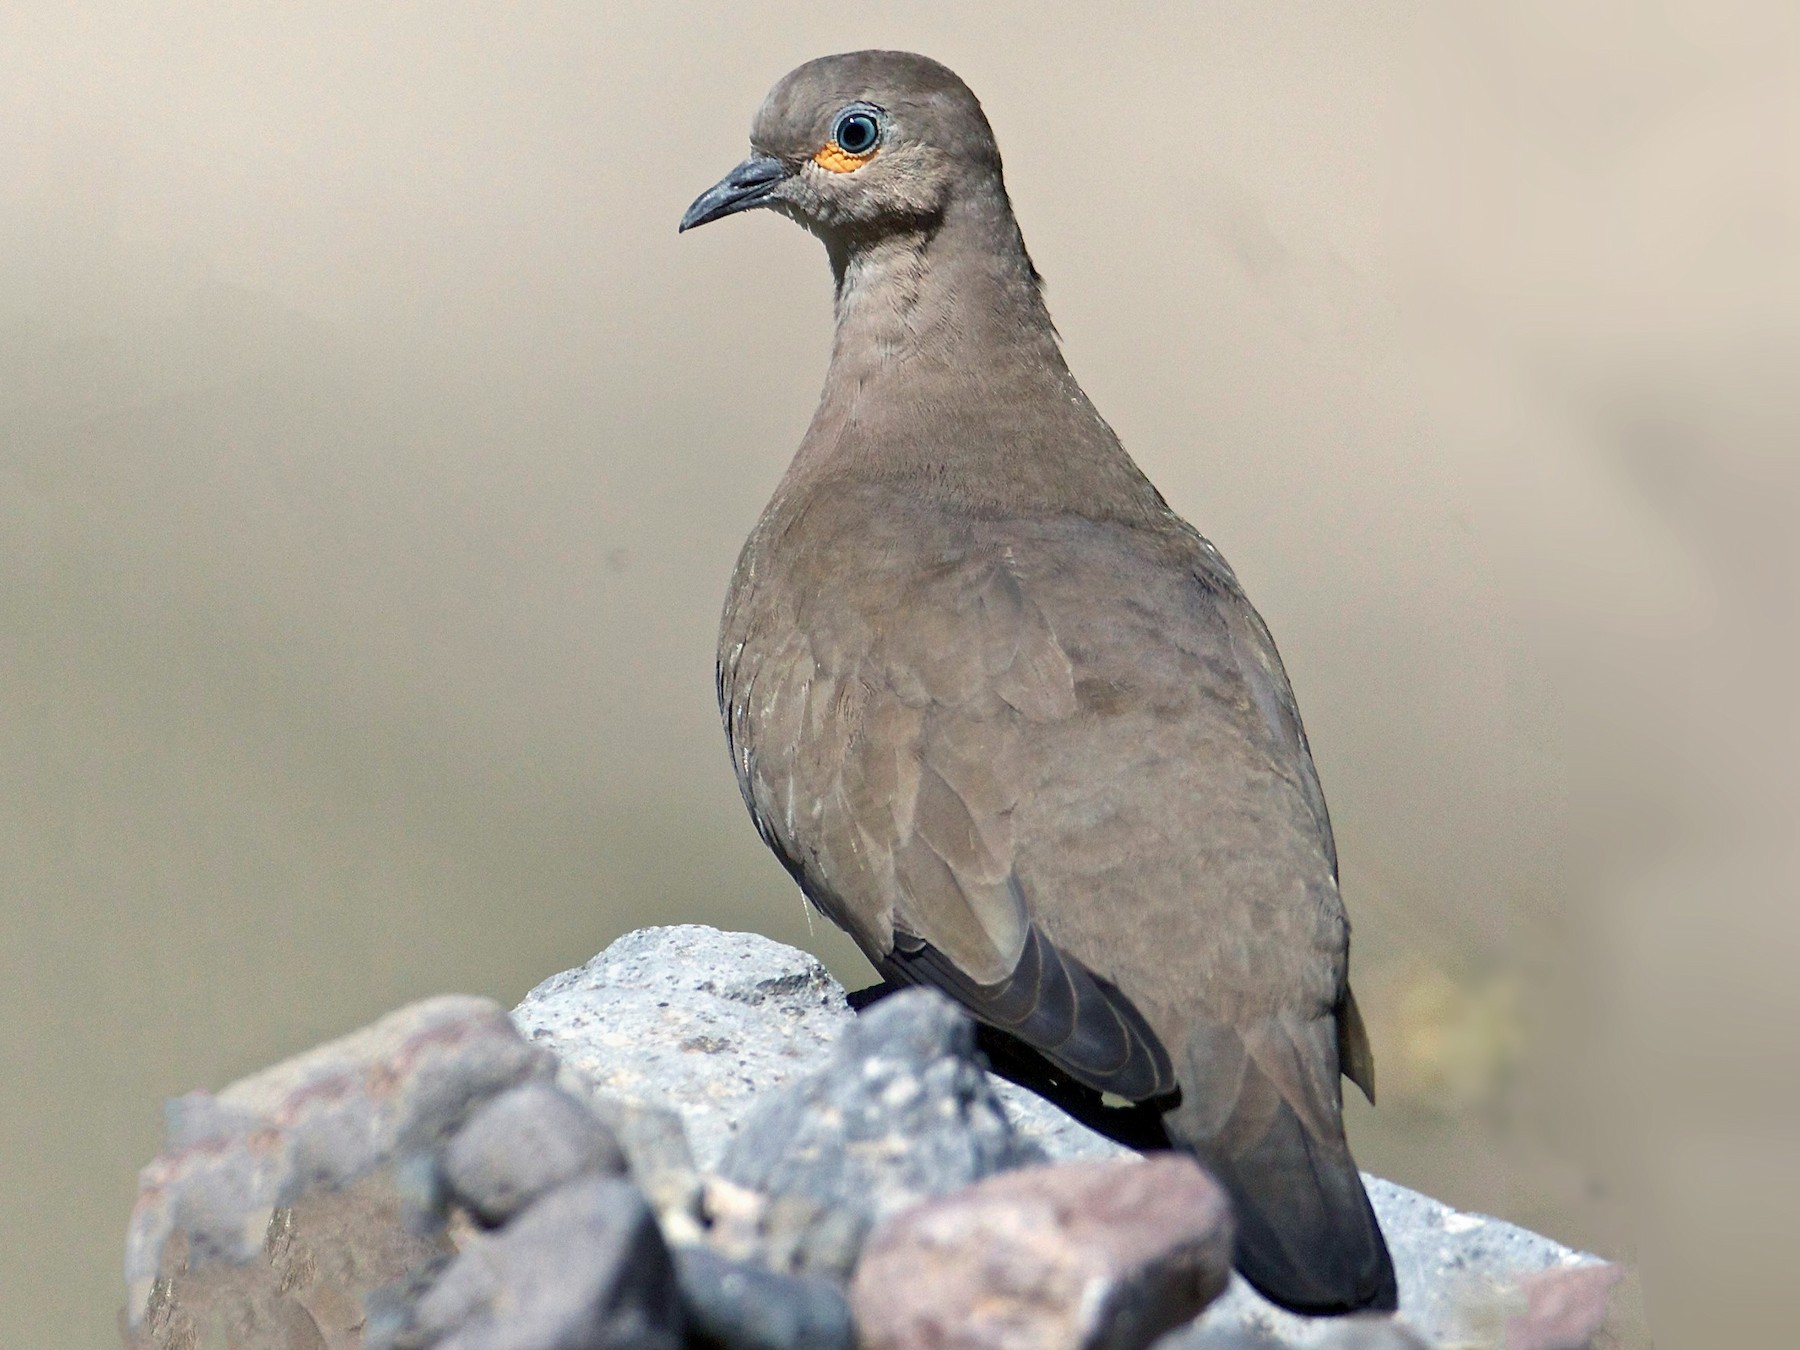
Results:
x,y
857,131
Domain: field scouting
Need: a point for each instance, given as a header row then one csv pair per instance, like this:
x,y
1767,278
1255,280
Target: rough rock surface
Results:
x,y
1464,1280
1073,1256
1374,1332
584,1268
238,1165
524,1144
899,1111
320,1259
657,1155
705,1022
325,1204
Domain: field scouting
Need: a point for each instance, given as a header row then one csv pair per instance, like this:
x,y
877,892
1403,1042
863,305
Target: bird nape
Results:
x,y
1010,721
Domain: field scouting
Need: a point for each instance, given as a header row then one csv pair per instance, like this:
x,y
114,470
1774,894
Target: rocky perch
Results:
x,y
693,1141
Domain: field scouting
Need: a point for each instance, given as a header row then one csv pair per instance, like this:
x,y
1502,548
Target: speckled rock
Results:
x,y
302,1207
901,1110
701,1022
780,1012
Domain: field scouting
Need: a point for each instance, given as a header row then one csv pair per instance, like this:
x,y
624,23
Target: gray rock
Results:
x,y
691,1019
902,1110
367,1102
1464,1279
323,1175
657,1154
733,1305
652,1137
1074,1256
702,1022
1208,1335
1372,1333
1051,1128
791,1232
524,1144
1347,1333
583,1269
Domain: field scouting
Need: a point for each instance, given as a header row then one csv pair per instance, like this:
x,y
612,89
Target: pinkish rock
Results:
x,y
1565,1307
1080,1254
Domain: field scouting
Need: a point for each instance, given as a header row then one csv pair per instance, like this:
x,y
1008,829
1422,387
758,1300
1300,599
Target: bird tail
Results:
x,y
1262,1119
1307,1238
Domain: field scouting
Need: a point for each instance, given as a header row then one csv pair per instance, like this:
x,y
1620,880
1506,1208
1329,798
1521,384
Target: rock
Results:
x,y
1212,1337
690,1019
702,1022
657,1153
1564,1306
732,1305
790,1232
754,1015
1464,1279
582,1269
1077,1255
524,1144
902,1110
283,1203
318,1260
1051,1129
374,1100
1377,1332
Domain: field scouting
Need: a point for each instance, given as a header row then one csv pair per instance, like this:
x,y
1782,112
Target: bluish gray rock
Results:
x,y
524,1144
733,1305
902,1110
584,1268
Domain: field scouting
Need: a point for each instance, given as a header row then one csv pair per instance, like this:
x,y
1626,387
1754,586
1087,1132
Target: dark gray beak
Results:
x,y
748,185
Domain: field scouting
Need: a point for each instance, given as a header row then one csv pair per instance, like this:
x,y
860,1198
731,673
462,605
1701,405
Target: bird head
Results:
x,y
858,146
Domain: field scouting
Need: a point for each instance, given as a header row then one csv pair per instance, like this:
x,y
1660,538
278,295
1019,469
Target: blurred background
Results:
x,y
373,456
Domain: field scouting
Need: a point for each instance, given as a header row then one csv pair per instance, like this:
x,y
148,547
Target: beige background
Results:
x,y
373,454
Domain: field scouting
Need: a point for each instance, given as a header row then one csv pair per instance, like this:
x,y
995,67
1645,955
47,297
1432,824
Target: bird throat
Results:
x,y
956,287
946,374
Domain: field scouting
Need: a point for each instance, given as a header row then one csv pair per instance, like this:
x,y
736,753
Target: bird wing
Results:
x,y
919,708
877,715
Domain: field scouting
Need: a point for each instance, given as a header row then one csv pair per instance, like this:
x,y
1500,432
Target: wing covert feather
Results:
x,y
921,718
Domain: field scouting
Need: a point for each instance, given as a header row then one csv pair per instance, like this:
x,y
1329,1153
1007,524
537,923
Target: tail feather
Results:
x,y
1257,1110
1307,1235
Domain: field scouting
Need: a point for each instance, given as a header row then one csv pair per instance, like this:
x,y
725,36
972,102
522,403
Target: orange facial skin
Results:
x,y
834,158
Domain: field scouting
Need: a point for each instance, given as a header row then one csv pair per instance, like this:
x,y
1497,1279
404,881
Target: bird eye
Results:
x,y
856,132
